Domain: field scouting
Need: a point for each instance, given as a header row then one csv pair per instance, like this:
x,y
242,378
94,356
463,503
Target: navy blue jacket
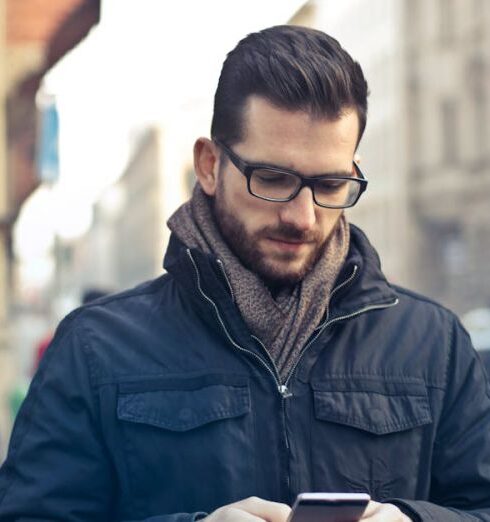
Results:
x,y
157,404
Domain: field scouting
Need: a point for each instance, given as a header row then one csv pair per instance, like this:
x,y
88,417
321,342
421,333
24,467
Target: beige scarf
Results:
x,y
284,322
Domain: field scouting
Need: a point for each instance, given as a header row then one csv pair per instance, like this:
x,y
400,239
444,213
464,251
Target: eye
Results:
x,y
270,177
330,185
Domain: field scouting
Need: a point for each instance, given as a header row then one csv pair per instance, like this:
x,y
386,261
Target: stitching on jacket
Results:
x,y
155,376
449,352
204,419
131,403
151,286
357,422
92,367
419,297
374,375
89,358
363,390
30,407
387,377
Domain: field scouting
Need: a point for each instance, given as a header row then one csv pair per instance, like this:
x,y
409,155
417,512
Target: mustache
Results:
x,y
286,232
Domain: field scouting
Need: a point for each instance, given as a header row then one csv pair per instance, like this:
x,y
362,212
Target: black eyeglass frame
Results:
x,y
247,169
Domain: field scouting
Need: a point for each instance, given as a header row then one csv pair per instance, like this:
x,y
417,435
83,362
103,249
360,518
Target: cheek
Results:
x,y
253,212
327,220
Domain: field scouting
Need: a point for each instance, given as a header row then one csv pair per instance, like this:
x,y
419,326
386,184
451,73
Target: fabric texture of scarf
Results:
x,y
285,322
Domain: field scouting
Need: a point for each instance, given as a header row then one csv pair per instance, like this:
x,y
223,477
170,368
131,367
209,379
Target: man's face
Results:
x,y
281,242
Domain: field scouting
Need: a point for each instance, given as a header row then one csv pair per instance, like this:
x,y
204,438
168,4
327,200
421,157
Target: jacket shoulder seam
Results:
x,y
94,391
151,288
420,297
447,317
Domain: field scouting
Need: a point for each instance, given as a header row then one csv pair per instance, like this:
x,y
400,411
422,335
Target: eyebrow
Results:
x,y
332,174
258,164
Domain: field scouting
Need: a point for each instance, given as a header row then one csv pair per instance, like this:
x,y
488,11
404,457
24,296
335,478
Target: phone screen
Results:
x,y
329,507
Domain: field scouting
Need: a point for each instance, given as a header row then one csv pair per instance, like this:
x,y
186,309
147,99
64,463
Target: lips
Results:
x,y
291,241
288,244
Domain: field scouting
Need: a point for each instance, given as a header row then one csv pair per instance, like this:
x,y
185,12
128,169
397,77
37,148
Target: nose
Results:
x,y
300,211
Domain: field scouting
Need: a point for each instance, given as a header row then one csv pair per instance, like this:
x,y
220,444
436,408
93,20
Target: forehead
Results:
x,y
296,139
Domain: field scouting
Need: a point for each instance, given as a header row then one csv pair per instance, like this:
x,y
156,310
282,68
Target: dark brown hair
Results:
x,y
294,68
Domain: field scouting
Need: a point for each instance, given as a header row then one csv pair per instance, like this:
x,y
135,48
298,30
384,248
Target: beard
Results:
x,y
275,269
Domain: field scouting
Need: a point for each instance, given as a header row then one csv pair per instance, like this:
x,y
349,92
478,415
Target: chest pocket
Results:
x,y
376,406
184,404
377,428
186,426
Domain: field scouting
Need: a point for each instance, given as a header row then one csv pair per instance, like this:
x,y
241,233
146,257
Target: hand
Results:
x,y
251,509
376,512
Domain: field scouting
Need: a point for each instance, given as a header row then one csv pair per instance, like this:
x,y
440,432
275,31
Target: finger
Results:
x,y
264,509
371,509
240,515
385,513
231,514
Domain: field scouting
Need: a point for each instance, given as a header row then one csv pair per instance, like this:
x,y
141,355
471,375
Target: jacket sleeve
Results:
x,y
57,468
460,485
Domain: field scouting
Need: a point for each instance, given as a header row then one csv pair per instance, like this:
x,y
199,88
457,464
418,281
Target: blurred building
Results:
x,y
37,35
125,242
33,36
426,149
448,101
372,33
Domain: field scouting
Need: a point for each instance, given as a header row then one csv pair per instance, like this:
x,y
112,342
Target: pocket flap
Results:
x,y
181,406
373,406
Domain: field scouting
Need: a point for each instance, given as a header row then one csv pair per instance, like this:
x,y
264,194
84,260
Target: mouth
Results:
x,y
288,245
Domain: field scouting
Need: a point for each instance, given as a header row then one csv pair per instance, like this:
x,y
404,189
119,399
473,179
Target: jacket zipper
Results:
x,y
322,327
275,374
277,378
327,323
274,371
282,388
285,394
223,271
335,320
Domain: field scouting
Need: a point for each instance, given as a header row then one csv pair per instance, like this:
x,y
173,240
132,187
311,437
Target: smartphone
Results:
x,y
329,507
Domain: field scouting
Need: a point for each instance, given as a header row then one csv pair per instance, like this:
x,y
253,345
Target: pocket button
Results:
x,y
185,414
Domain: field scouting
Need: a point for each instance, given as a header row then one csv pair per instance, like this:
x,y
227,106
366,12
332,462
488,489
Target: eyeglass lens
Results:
x,y
281,186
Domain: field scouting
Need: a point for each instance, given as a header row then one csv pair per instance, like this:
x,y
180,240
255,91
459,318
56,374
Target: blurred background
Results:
x,y
101,101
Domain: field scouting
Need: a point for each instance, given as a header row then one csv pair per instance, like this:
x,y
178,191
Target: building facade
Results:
x,y
447,52
426,147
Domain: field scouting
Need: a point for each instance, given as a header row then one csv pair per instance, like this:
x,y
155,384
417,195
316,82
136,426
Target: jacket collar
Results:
x,y
195,270
368,286
360,284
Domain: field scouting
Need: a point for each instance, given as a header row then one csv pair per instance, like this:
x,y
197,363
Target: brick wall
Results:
x,y
34,21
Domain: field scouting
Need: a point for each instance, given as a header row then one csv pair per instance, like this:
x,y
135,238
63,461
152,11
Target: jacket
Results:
x,y
157,404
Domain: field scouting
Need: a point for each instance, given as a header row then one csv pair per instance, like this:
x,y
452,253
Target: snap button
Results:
x,y
185,414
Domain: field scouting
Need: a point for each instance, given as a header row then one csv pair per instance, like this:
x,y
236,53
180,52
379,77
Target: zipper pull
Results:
x,y
284,391
223,271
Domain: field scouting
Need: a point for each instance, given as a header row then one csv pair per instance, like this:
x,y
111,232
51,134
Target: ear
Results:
x,y
206,164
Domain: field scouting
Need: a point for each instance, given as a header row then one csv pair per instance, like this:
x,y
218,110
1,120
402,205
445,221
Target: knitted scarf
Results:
x,y
284,322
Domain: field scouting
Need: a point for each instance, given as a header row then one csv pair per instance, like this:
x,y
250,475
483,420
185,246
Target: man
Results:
x,y
274,358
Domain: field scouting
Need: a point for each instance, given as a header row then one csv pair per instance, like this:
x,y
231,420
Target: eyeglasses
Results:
x,y
278,184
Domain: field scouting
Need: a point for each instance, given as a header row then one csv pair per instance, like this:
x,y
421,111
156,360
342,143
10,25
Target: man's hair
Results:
x,y
293,68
